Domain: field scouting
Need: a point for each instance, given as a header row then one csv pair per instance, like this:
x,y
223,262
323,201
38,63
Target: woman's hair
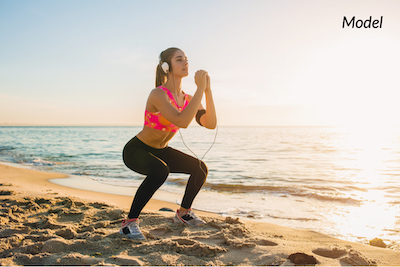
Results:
x,y
165,56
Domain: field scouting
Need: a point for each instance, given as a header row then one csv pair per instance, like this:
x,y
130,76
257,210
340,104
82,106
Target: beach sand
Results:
x,y
42,223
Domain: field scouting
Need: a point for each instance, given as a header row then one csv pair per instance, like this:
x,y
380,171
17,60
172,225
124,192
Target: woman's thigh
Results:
x,y
179,162
142,161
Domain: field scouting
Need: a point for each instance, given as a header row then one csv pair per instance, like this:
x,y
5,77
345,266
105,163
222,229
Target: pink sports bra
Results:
x,y
157,121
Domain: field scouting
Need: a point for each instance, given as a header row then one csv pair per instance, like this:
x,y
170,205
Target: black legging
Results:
x,y
157,164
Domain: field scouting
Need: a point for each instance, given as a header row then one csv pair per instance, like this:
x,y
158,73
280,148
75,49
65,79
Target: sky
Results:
x,y
271,63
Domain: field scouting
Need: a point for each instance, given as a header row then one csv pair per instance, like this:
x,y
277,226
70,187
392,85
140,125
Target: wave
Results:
x,y
6,148
281,190
242,213
42,162
258,215
291,218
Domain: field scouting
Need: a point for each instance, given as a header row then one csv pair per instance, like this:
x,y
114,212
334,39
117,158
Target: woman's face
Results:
x,y
180,65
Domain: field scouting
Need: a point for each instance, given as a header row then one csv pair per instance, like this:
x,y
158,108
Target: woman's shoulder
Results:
x,y
157,94
157,91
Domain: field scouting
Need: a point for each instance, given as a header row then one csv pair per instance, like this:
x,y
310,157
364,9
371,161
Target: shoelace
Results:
x,y
187,217
190,216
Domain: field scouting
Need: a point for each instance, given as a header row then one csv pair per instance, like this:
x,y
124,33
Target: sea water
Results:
x,y
339,181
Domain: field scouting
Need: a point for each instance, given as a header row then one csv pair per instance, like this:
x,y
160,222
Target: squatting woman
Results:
x,y
168,108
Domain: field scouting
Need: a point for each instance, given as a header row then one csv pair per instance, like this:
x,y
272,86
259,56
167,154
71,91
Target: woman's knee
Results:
x,y
159,173
203,169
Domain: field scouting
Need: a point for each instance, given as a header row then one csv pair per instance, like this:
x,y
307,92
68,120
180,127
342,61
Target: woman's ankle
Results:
x,y
183,210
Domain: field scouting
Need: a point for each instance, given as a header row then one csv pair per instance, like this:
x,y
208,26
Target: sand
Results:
x,y
42,223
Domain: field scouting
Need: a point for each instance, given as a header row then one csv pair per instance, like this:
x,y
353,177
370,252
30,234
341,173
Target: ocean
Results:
x,y
339,181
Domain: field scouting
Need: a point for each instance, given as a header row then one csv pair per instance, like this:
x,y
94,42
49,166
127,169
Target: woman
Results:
x,y
168,108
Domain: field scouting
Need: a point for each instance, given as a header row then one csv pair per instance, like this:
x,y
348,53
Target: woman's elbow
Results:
x,y
211,125
182,124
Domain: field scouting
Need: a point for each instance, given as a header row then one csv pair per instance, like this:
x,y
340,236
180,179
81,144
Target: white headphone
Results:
x,y
165,67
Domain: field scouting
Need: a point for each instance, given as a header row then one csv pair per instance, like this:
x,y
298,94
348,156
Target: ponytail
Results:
x,y
161,76
165,56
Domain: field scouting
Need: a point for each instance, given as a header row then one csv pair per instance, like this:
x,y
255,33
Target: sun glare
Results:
x,y
370,150
368,220
369,154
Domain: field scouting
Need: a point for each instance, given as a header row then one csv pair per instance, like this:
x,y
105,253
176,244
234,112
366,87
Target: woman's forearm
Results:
x,y
186,116
210,117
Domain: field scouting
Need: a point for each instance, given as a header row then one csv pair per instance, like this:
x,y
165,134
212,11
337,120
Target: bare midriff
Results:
x,y
155,138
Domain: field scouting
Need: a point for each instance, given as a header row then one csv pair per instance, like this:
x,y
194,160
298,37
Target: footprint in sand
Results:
x,y
352,257
264,242
356,259
332,253
195,248
160,232
303,259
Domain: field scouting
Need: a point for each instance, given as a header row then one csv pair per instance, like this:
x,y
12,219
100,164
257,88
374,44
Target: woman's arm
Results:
x,y
209,119
182,119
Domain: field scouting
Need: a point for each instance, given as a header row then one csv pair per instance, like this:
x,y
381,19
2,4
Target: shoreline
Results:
x,y
50,224
46,180
90,185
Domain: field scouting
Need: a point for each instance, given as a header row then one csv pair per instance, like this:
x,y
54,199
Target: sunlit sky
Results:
x,y
277,63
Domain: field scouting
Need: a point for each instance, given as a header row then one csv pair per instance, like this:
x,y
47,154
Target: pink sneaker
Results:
x,y
188,218
131,229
